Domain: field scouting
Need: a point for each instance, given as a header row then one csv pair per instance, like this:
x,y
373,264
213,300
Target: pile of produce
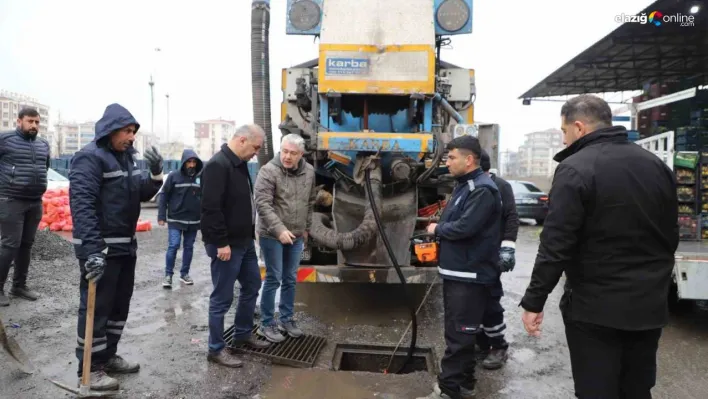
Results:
x,y
57,213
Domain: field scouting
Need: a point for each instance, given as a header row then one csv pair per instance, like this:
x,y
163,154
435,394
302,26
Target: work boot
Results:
x,y
186,279
495,360
24,293
270,333
481,354
224,359
4,300
291,328
252,342
119,365
438,394
167,282
100,381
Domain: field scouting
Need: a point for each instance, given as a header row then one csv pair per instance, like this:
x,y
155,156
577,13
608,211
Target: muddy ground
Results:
x,y
167,333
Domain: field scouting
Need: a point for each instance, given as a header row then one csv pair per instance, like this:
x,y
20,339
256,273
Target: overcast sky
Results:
x,y
77,56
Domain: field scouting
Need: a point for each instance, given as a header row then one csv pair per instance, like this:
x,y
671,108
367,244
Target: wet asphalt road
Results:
x,y
167,333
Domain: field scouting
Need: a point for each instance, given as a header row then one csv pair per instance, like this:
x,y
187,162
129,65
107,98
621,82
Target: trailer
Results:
x,y
690,275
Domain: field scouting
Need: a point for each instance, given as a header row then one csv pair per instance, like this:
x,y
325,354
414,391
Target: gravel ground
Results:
x,y
167,333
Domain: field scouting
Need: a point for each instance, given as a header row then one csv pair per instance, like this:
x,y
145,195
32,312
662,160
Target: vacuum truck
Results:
x,y
376,110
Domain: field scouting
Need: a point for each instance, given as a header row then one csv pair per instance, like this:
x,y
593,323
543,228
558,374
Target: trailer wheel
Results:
x,y
676,304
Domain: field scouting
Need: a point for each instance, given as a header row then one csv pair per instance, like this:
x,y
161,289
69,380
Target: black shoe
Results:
x,y
495,360
23,292
481,354
252,342
4,300
225,359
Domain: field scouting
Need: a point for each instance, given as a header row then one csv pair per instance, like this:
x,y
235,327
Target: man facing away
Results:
x,y
228,220
612,228
180,207
491,343
469,255
24,160
285,196
106,189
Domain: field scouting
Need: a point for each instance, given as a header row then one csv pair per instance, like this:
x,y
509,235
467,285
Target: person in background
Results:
x,y
106,187
180,207
468,231
285,196
492,345
228,217
612,227
24,160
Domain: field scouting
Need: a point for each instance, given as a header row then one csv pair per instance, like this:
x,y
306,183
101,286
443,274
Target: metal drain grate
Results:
x,y
295,352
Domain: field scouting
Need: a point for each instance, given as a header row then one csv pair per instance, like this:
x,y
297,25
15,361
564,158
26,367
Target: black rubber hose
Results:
x,y
260,75
394,261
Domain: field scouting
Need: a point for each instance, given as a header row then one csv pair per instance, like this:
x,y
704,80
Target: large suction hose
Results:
x,y
260,75
328,237
394,261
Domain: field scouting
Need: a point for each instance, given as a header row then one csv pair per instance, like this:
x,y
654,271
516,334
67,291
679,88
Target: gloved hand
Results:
x,y
507,256
154,160
95,265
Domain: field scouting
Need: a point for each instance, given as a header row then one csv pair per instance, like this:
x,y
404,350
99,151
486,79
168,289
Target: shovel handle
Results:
x,y
88,335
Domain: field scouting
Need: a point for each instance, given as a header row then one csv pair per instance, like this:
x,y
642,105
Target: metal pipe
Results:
x,y
260,75
449,108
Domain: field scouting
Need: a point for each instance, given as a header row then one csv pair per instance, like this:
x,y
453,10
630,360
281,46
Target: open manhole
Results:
x,y
375,359
294,352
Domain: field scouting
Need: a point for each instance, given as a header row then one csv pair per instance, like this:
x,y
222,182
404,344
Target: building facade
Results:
x,y
10,106
535,156
69,137
209,135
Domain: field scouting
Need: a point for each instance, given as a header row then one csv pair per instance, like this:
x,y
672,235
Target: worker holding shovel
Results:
x,y
106,188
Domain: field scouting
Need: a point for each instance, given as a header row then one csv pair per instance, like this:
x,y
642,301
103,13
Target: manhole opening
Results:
x,y
375,359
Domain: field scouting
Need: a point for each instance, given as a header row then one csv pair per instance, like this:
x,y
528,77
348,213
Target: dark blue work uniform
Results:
x,y
106,189
468,231
180,206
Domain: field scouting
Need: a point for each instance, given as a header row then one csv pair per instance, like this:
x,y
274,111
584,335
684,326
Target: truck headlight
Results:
x,y
452,15
304,15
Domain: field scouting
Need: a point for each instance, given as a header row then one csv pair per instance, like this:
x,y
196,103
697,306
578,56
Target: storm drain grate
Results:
x,y
295,352
375,359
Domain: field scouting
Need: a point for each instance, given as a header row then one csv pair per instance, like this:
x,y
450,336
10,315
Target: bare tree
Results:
x,y
59,142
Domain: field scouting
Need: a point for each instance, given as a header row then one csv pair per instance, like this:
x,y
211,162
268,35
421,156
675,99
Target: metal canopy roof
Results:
x,y
635,54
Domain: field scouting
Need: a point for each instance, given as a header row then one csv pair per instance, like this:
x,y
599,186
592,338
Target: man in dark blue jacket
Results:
x,y
24,160
468,231
106,189
180,207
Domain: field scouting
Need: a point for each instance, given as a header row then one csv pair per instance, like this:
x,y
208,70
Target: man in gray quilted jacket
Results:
x,y
24,160
285,196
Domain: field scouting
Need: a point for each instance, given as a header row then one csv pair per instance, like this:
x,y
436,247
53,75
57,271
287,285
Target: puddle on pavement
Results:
x,y
352,304
289,383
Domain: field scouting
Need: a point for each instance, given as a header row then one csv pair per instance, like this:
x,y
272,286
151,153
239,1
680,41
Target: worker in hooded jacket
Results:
x,y
106,189
180,208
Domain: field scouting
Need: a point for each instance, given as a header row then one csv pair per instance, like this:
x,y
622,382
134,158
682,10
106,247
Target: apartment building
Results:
x,y
210,134
10,105
70,137
535,156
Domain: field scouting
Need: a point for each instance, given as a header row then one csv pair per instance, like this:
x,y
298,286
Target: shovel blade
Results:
x,y
85,393
16,353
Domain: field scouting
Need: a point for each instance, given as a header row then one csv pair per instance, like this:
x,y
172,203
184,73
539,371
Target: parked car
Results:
x,y
531,201
56,180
